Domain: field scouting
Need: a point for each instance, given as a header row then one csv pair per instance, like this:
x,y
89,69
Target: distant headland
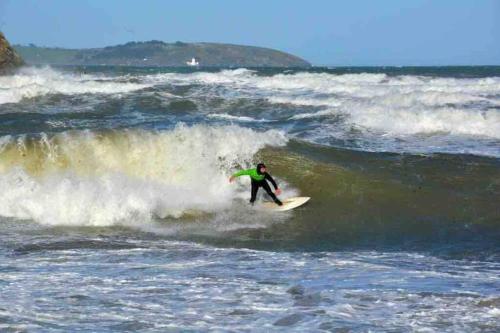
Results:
x,y
158,53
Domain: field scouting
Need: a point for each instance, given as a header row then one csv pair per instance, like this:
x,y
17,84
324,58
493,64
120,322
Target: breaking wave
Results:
x,y
33,82
122,177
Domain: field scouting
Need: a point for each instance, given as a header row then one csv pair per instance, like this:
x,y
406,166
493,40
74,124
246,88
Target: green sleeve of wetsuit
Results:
x,y
247,172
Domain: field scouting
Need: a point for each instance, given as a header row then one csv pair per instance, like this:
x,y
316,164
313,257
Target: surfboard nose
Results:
x,y
288,204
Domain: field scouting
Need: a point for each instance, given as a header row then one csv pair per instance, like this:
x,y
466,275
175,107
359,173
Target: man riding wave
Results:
x,y
258,177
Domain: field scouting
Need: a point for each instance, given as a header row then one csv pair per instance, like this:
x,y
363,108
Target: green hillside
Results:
x,y
157,53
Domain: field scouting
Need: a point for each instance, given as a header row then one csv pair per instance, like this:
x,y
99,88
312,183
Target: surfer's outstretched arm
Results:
x,y
268,177
271,179
266,187
247,172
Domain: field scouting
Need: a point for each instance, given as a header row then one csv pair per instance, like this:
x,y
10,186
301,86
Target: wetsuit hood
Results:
x,y
259,166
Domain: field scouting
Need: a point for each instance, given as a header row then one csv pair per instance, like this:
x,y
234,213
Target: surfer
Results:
x,y
258,177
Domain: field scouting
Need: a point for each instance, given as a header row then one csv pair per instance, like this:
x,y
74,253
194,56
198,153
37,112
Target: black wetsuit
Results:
x,y
263,183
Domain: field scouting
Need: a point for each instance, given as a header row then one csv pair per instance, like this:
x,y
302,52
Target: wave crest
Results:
x,y
33,82
123,177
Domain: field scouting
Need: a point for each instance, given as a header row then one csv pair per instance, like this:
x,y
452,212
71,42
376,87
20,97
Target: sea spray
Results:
x,y
33,82
89,178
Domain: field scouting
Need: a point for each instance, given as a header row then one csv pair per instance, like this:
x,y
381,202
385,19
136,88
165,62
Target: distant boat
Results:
x,y
193,62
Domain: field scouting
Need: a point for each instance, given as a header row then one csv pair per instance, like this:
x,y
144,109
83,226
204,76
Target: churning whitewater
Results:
x,y
365,111
120,176
116,213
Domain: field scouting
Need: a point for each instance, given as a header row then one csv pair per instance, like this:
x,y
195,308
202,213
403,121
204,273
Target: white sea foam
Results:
x,y
236,118
364,108
439,120
125,177
34,82
377,106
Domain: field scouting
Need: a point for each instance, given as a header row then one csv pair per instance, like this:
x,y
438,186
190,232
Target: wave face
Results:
x,y
175,183
366,199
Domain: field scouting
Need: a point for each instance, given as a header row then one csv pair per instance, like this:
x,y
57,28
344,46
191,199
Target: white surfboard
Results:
x,y
288,204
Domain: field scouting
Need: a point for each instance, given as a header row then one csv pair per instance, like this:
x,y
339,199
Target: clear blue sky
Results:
x,y
329,32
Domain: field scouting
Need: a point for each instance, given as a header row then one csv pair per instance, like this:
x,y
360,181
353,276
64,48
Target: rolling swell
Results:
x,y
173,183
387,199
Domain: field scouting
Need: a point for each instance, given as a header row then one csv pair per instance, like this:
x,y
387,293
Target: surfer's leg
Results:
x,y
266,187
255,188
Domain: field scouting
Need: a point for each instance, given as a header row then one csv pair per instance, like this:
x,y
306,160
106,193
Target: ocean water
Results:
x,y
116,213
